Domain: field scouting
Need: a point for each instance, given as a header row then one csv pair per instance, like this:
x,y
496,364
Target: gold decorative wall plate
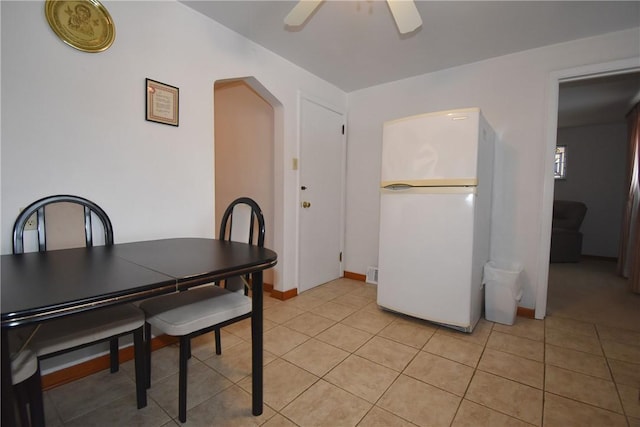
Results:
x,y
84,24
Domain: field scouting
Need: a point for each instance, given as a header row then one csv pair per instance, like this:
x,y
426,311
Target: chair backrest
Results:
x,y
242,221
568,214
63,221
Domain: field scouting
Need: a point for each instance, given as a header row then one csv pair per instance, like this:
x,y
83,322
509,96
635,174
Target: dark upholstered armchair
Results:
x,y
566,238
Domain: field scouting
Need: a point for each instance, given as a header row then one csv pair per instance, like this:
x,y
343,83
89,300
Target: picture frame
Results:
x,y
162,102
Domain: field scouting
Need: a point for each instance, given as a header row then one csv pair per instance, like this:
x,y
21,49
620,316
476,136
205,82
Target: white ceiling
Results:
x,y
355,44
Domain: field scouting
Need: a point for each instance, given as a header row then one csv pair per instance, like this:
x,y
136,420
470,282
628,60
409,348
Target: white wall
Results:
x,y
73,122
596,174
511,90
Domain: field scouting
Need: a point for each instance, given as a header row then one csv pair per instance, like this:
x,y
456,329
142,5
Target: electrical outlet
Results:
x,y
32,222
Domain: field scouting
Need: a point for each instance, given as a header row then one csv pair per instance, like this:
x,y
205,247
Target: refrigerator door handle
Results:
x,y
398,186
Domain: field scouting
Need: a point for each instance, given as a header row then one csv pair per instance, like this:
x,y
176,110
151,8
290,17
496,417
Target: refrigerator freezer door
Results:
x,y
426,255
437,146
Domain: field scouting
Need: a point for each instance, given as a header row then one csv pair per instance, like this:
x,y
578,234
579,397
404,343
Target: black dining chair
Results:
x,y
242,221
64,222
207,308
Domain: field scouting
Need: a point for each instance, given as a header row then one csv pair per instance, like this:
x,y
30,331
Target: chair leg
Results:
x,y
218,341
182,382
22,401
29,394
113,355
147,345
36,404
139,347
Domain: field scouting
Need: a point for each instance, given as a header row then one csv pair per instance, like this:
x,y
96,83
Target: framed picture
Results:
x,y
162,102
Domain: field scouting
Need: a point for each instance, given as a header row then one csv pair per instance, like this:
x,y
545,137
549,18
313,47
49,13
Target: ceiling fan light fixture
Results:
x,y
301,12
406,15
404,12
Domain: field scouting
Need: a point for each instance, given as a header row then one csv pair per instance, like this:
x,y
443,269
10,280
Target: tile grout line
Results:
x,y
475,370
615,383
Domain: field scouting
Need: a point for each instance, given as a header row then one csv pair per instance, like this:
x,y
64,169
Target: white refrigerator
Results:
x,y
435,216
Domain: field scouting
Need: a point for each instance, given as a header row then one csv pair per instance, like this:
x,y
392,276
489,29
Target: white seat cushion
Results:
x,y
84,328
23,365
24,362
185,312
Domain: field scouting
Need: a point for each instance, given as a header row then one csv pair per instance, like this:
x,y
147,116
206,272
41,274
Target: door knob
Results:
x,y
306,205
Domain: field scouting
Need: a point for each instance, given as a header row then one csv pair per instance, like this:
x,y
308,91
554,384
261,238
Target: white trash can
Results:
x,y
503,291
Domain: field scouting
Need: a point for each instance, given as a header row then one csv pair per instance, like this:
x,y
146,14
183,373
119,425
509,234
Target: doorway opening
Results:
x,y
244,152
560,81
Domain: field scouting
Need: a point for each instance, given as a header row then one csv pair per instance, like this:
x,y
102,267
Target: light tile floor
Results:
x,y
333,358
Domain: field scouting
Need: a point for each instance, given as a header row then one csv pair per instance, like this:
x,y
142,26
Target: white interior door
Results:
x,y
321,194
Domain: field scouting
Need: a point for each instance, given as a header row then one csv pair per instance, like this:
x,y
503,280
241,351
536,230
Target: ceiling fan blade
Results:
x,y
405,14
301,12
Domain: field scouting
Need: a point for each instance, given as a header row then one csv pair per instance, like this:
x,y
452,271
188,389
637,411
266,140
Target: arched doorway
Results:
x,y
244,140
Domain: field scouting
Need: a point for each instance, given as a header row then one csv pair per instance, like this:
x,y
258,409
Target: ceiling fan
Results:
x,y
404,12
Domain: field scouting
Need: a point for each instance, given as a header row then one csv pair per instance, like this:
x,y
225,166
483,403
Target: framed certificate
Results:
x,y
84,24
162,102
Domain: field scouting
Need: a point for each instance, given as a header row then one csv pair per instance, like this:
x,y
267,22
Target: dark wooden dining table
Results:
x,y
41,286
